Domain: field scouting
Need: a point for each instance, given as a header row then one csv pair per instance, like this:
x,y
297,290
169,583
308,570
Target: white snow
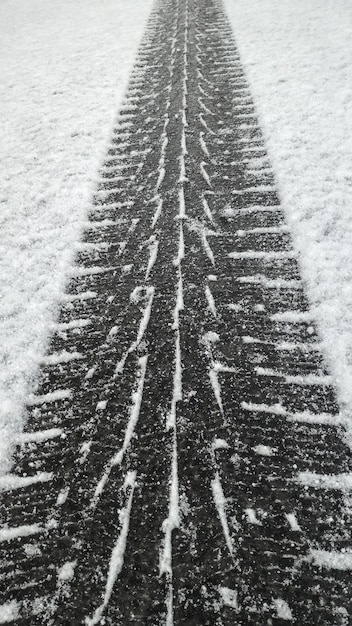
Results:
x,y
297,57
289,346
181,246
214,367
263,450
292,316
220,503
207,247
40,435
252,517
177,394
9,612
214,380
158,210
283,609
257,189
211,301
261,254
182,204
203,144
9,482
305,417
202,120
101,405
61,357
275,409
135,408
53,396
63,326
67,571
220,367
173,520
205,174
153,248
308,379
230,212
143,325
331,559
75,272
270,283
62,497
118,552
207,210
292,520
72,297
229,597
340,482
262,230
64,68
219,444
7,534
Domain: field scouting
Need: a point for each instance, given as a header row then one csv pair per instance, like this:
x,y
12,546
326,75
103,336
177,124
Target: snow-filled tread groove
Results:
x,y
183,460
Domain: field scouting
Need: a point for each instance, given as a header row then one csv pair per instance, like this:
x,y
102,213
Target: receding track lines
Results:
x,y
182,462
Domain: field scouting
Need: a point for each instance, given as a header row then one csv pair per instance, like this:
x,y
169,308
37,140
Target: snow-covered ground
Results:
x,y
298,59
64,67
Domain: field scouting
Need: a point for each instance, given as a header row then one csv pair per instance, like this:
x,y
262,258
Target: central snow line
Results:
x,y
158,200
172,522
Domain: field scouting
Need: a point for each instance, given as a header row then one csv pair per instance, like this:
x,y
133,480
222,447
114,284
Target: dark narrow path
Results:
x,y
182,463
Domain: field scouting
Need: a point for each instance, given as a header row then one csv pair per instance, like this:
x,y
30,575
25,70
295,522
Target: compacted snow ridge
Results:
x,y
64,69
297,58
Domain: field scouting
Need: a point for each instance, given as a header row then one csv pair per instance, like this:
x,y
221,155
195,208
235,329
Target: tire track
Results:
x,y
182,462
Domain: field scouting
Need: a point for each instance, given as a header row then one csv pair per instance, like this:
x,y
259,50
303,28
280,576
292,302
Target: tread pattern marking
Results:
x,y
183,461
